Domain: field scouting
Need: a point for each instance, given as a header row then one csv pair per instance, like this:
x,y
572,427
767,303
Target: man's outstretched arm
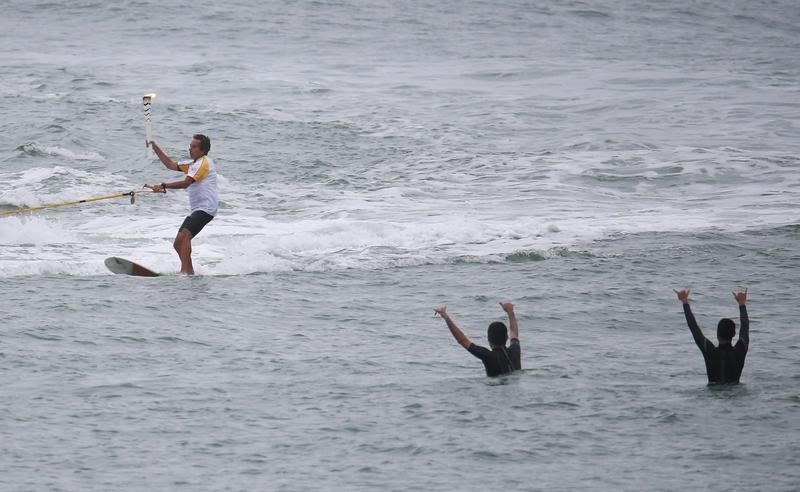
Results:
x,y
512,320
697,333
175,185
454,329
164,158
744,319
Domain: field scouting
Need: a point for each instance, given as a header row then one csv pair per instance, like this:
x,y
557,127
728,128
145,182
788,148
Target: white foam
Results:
x,y
72,155
33,230
61,152
52,185
553,202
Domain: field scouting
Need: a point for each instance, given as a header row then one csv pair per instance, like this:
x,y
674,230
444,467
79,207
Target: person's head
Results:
x,y
200,146
497,334
726,329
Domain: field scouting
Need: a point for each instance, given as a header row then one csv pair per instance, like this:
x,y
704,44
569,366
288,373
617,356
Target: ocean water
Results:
x,y
378,159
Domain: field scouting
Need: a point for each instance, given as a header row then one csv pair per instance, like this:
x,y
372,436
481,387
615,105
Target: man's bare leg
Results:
x,y
183,245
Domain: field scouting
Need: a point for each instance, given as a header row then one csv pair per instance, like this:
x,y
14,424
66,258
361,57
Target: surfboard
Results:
x,y
121,266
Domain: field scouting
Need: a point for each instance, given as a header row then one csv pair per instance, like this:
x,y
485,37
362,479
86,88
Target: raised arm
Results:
x,y
164,158
454,329
512,319
744,319
699,338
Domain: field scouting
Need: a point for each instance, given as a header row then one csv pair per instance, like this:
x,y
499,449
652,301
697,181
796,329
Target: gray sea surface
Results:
x,y
580,159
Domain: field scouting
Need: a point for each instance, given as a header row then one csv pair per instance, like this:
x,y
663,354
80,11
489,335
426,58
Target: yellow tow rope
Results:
x,y
131,194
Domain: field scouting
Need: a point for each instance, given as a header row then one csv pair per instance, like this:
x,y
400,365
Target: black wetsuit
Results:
x,y
499,360
724,363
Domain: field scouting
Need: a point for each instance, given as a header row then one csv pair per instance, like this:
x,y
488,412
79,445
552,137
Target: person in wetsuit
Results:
x,y
500,359
723,363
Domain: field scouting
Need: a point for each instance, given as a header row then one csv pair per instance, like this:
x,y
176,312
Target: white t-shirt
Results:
x,y
203,192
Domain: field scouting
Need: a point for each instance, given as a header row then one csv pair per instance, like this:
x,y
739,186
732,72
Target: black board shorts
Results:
x,y
196,221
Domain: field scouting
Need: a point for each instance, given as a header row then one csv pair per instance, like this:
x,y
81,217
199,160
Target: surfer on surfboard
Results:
x,y
200,181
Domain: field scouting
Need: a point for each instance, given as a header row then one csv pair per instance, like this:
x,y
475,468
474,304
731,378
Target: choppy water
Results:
x,y
377,160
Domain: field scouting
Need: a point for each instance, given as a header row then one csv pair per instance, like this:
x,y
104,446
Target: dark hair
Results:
x,y
205,142
498,333
726,329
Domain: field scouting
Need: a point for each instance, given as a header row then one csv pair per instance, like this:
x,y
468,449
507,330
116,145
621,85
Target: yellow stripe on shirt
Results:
x,y
202,172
